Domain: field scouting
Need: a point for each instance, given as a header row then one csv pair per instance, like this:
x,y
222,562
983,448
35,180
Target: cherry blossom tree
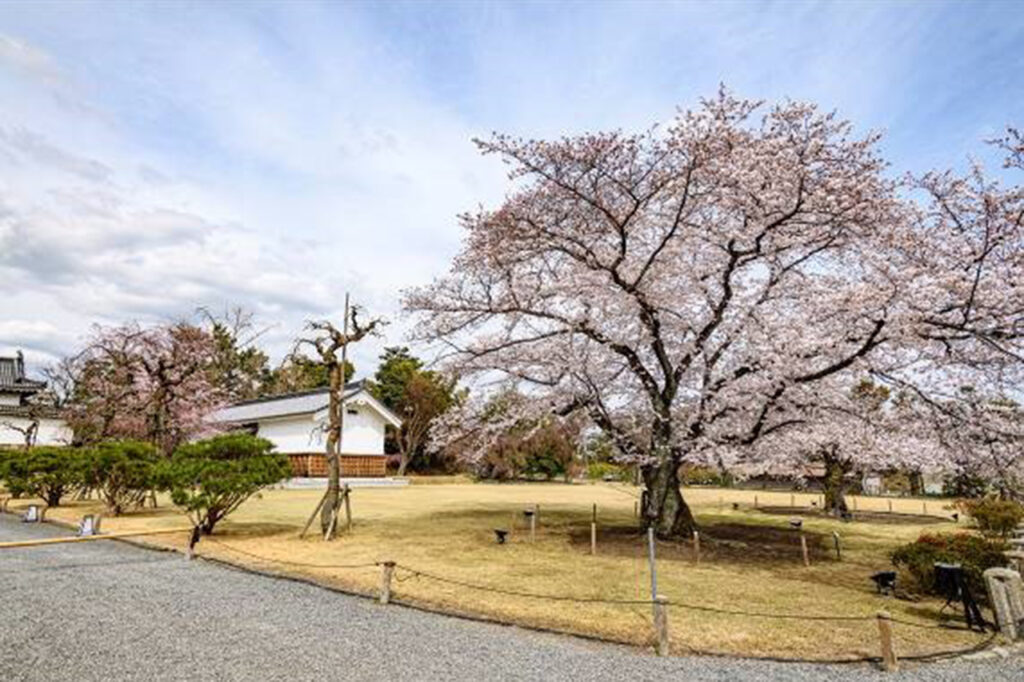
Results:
x,y
693,290
148,383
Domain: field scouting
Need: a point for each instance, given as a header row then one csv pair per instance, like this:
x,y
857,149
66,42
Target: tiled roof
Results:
x,y
306,402
284,405
38,411
12,376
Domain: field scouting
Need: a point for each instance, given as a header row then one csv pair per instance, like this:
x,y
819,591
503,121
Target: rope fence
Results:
x,y
401,573
659,604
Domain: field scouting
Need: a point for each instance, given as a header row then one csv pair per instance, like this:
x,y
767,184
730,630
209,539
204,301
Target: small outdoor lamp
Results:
x,y
885,581
500,535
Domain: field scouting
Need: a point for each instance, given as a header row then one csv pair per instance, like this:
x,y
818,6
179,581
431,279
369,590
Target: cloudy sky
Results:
x,y
159,157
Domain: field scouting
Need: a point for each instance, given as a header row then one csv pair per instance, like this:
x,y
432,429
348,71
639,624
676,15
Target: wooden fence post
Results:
x,y
696,544
889,661
803,549
661,625
593,532
387,569
348,508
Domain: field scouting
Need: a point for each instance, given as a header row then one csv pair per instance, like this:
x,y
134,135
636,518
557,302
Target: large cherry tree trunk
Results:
x,y
664,506
834,483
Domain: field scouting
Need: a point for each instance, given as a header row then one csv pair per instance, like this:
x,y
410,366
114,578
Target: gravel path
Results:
x,y
109,611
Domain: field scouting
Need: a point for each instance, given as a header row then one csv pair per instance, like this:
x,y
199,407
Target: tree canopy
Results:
x,y
692,289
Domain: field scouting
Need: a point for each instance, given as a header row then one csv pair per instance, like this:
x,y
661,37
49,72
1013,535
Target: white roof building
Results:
x,y
296,424
24,420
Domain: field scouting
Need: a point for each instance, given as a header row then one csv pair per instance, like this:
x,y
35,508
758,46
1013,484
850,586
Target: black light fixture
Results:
x,y
951,583
500,535
885,581
796,523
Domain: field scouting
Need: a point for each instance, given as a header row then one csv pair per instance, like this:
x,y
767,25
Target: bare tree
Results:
x,y
331,347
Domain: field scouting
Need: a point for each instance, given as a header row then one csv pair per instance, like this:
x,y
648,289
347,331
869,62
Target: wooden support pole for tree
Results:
x,y
313,515
755,501
839,546
890,662
696,545
792,500
924,508
661,625
387,570
890,506
533,523
803,549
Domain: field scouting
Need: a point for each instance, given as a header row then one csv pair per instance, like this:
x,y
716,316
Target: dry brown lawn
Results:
x,y
750,562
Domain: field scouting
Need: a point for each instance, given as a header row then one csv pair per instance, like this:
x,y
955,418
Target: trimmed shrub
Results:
x,y
123,471
992,516
916,560
45,471
210,478
606,471
704,475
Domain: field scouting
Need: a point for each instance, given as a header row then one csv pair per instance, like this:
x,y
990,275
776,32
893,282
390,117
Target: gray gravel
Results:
x,y
109,611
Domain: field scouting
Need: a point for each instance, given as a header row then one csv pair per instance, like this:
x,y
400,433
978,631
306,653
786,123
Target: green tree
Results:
x,y
415,394
47,472
210,478
123,471
240,368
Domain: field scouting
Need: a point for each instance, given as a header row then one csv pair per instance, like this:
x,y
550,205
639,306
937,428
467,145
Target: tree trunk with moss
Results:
x,y
837,468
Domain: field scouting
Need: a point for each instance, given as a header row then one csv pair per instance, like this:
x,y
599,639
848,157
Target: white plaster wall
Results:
x,y
363,435
51,431
293,434
364,432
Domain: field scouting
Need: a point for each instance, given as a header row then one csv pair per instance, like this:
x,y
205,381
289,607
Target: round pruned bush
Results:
x,y
976,554
993,517
210,478
47,472
123,471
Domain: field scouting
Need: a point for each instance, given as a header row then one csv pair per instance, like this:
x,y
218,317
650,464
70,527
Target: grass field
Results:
x,y
751,561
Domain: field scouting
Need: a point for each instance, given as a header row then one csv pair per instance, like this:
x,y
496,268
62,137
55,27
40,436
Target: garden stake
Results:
x,y
387,569
654,573
661,624
803,548
890,663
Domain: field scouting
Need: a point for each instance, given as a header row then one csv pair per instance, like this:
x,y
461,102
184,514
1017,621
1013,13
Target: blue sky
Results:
x,y
158,157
